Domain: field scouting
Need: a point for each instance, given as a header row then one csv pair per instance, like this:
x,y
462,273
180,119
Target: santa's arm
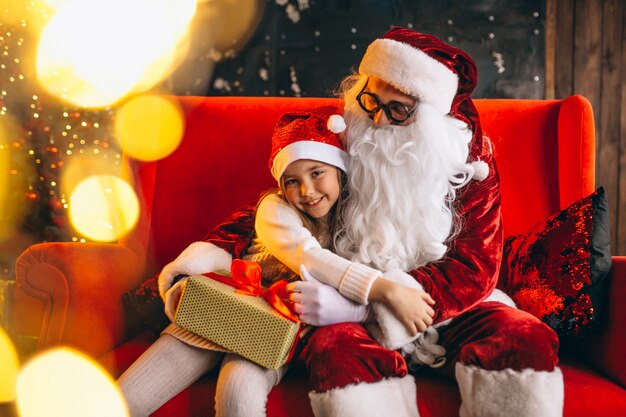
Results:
x,y
215,252
469,271
235,233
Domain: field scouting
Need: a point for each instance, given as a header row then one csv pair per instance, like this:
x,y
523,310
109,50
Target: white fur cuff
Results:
x,y
499,295
390,332
526,393
388,397
197,258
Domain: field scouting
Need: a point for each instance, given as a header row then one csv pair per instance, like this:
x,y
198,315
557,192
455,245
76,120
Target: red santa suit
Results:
x,y
504,360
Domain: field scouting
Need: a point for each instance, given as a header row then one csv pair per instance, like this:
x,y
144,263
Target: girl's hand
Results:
x,y
172,298
412,307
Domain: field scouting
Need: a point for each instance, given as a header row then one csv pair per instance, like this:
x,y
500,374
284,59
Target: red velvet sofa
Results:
x,y
70,293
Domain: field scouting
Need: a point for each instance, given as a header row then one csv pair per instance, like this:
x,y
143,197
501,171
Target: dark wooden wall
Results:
x,y
586,54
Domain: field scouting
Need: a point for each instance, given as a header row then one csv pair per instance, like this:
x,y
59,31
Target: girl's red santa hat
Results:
x,y
432,71
308,135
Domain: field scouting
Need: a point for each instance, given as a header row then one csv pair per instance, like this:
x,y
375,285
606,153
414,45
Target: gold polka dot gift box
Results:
x,y
238,316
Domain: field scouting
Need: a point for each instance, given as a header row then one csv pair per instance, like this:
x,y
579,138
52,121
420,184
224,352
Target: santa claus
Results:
x,y
424,208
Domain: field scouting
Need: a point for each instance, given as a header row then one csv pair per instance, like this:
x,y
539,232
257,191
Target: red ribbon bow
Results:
x,y
246,277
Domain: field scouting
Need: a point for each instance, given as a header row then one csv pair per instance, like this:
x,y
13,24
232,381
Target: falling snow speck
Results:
x,y
292,13
450,22
353,30
353,46
498,62
536,78
536,31
491,18
536,14
492,35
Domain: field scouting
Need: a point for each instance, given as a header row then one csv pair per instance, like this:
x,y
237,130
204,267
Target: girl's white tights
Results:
x,y
169,366
243,387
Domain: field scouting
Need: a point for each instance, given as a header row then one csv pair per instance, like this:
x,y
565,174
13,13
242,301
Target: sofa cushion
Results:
x,y
557,269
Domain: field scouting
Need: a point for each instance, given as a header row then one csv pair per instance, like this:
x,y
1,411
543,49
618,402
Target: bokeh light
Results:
x,y
93,53
4,179
82,166
149,127
103,208
55,4
17,11
229,24
65,383
14,172
9,365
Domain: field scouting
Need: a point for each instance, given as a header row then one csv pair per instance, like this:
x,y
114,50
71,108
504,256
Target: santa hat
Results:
x,y
429,69
308,135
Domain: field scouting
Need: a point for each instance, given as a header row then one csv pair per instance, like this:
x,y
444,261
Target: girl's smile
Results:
x,y
311,186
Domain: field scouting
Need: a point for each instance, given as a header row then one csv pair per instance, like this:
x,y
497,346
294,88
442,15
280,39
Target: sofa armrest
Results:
x,y
605,349
70,293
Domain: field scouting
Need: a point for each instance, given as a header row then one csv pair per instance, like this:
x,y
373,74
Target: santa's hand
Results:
x,y
172,298
320,305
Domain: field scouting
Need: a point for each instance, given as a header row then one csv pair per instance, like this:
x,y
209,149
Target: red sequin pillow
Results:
x,y
556,270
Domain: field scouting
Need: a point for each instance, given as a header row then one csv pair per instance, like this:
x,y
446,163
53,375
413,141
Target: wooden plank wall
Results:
x,y
586,54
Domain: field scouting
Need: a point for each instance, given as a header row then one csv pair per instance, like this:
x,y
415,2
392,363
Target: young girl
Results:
x,y
294,229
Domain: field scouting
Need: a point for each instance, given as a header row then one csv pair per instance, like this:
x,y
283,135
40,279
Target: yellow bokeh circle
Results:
x,y
64,383
103,208
9,365
94,53
149,127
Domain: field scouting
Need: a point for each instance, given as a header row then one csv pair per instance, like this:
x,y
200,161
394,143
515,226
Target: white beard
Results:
x,y
402,183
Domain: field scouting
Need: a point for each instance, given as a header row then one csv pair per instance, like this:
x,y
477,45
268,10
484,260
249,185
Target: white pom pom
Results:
x,y
336,124
481,170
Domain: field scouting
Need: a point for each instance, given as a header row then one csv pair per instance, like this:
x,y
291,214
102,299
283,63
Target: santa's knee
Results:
x,y
521,341
345,353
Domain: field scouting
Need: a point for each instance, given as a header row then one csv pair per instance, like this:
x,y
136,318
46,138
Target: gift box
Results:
x,y
245,324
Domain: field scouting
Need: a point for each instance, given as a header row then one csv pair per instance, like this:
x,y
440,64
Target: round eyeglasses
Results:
x,y
394,110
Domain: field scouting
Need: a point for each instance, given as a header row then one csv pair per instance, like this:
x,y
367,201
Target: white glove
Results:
x,y
172,298
320,305
197,258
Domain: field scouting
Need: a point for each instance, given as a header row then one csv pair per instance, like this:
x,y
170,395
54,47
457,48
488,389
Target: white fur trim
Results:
x,y
403,278
412,71
197,258
388,397
336,123
499,295
481,170
308,149
390,332
526,393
